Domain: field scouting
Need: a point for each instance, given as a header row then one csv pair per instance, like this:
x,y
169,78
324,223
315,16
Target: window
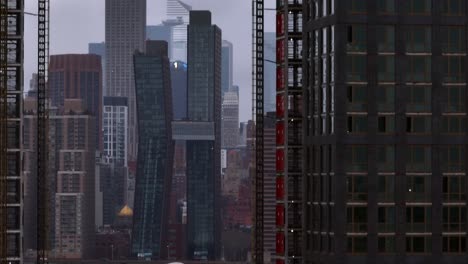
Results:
x,y
418,7
357,124
357,98
453,39
418,158
386,158
454,69
418,244
418,124
453,7
357,38
386,68
386,219
357,6
386,38
456,96
418,188
386,7
357,245
418,219
386,244
455,125
385,98
356,68
454,244
454,219
386,124
357,158
357,187
418,39
419,99
386,188
419,69
357,219
452,158
453,188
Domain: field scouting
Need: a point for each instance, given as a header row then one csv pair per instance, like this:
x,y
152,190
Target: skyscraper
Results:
x,y
155,154
72,140
386,141
178,10
270,72
115,130
230,120
226,66
78,76
125,33
179,89
100,49
203,156
269,191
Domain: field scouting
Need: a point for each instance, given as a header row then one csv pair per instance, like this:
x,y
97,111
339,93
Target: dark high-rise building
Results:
x,y
179,89
226,66
230,120
385,138
78,76
155,153
203,156
125,33
99,49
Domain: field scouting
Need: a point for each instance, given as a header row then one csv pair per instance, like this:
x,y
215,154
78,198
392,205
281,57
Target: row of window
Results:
x,y
418,39
410,7
418,158
418,188
418,68
418,98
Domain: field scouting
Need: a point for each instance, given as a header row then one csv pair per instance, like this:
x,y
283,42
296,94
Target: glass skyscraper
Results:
x,y
203,156
155,153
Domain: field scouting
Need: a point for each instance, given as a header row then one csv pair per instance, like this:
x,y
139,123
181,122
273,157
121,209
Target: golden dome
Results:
x,y
126,211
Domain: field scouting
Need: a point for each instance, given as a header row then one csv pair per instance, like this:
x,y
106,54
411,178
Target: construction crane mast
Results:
x,y
42,126
258,107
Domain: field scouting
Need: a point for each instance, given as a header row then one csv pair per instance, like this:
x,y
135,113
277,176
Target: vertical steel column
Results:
x,y
42,125
258,31
3,128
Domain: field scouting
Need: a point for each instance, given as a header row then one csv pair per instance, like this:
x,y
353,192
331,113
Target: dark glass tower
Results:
x,y
203,156
155,152
385,136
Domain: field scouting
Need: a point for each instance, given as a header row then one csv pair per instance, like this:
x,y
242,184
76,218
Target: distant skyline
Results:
x,y
74,24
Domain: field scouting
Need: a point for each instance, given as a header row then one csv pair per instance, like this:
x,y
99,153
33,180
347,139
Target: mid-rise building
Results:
x,y
204,152
227,61
385,138
178,11
230,120
74,147
78,76
125,33
155,154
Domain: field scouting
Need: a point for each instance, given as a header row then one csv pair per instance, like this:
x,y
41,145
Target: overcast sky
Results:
x,y
75,23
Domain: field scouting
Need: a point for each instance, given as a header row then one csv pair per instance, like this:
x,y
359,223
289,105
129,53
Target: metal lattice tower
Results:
x,y
258,106
42,125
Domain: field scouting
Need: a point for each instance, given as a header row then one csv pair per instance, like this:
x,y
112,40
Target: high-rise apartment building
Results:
x,y
226,66
269,72
203,155
385,138
125,33
289,126
179,89
230,120
178,10
155,153
78,76
72,140
115,124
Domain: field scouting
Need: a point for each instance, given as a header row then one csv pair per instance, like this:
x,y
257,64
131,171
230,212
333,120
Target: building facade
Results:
x,y
78,76
73,133
125,33
270,72
155,155
230,120
179,89
115,130
226,66
178,10
269,189
203,156
385,83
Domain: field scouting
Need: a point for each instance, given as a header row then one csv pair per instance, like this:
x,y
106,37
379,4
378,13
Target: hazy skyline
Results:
x,y
74,24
